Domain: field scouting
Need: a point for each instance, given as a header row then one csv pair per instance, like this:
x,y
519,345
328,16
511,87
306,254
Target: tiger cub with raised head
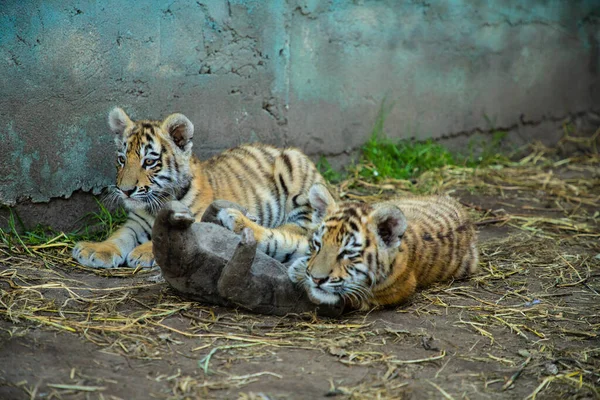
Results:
x,y
378,254
155,164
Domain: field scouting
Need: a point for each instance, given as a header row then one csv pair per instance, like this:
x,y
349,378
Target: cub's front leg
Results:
x,y
130,243
285,243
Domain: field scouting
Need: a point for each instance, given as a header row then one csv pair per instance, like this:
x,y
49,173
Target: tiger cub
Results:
x,y
155,164
378,254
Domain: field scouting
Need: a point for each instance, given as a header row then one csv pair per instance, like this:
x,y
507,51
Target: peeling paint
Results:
x,y
310,73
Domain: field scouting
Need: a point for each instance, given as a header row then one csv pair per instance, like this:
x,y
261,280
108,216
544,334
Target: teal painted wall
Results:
x,y
307,73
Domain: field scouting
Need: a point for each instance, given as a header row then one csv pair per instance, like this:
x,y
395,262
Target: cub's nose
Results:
x,y
319,281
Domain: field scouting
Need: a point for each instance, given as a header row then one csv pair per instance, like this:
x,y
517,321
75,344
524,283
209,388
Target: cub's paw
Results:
x,y
141,256
297,271
179,215
212,211
98,255
248,238
232,219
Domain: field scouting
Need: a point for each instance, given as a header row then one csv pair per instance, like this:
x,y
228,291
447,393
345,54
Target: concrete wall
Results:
x,y
309,73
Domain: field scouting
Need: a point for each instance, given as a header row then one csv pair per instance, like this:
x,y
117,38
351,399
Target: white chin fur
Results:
x,y
321,297
133,204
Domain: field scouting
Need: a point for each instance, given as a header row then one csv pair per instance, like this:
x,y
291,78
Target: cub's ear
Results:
x,y
118,121
180,129
321,201
390,224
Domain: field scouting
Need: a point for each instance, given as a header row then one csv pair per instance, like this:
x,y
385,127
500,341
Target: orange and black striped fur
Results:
x,y
155,164
379,254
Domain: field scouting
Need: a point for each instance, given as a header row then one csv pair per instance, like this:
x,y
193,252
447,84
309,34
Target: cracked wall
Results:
x,y
66,64
448,66
309,73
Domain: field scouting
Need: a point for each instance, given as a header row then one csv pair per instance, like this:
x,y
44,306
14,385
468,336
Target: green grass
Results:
x,y
327,171
103,223
382,157
98,226
483,152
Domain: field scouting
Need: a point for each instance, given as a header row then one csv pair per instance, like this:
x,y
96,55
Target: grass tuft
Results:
x,y
383,158
327,171
97,226
407,159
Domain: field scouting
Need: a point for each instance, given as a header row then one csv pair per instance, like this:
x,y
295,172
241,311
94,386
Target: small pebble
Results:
x,y
551,368
524,353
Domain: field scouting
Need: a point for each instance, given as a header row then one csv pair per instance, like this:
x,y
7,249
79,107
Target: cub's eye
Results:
x,y
148,162
121,159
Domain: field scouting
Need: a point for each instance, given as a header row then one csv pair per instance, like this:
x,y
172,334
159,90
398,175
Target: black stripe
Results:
x,y
250,184
363,273
430,258
283,185
370,260
137,239
277,196
434,251
287,258
164,178
410,241
288,162
455,256
304,176
300,218
265,151
268,214
184,191
278,213
295,217
447,210
259,163
350,212
214,184
227,172
377,264
147,227
441,214
358,271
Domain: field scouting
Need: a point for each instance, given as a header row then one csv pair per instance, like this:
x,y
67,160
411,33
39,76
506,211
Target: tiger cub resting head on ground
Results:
x,y
378,254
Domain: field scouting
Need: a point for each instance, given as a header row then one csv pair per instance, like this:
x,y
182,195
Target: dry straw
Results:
x,y
538,287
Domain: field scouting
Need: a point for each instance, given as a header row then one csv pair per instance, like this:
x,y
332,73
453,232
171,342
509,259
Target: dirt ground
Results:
x,y
526,326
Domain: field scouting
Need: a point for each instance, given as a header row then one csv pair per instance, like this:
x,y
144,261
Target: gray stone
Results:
x,y
210,264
